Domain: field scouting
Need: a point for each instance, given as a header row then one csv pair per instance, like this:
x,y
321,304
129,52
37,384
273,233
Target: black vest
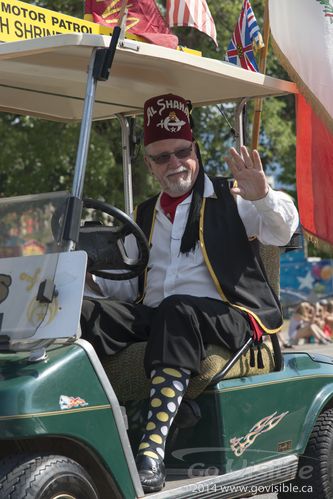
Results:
x,y
232,260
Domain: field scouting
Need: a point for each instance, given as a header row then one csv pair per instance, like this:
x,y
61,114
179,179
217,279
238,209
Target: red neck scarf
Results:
x,y
169,204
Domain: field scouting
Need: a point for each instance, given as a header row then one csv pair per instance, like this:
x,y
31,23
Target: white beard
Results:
x,y
181,186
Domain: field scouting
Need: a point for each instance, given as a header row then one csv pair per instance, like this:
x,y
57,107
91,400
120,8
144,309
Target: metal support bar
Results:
x,y
82,150
123,27
127,166
218,377
83,147
239,125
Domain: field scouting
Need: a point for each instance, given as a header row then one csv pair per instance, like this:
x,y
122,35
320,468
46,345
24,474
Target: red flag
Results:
x,y
195,14
314,167
303,36
144,19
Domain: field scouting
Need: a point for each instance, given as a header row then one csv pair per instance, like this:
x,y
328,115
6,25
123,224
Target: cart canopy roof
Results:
x,y
46,77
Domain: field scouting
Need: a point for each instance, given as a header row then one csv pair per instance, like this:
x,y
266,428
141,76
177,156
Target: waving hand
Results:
x,y
247,170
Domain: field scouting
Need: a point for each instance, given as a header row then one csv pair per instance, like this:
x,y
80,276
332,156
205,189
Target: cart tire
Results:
x,y
316,464
32,476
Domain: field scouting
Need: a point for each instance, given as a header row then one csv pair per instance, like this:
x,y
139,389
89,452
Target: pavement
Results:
x,y
311,348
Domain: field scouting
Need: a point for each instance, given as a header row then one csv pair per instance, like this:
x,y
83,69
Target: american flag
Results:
x,y
246,38
192,13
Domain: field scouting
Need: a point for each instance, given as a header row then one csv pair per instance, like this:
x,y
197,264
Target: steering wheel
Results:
x,y
105,244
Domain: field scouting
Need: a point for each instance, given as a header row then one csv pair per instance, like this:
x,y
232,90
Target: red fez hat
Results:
x,y
166,117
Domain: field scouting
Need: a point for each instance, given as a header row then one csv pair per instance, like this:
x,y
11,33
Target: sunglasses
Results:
x,y
164,157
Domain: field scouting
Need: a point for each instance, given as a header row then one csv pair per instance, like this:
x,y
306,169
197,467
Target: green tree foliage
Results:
x,y
39,156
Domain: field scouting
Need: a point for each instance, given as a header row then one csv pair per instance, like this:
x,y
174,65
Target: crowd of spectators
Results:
x,y
312,323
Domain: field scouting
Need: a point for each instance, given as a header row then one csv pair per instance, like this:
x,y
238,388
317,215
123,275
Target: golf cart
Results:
x,y
69,424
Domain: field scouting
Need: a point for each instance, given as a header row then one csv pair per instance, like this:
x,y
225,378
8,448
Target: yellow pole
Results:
x,y
262,69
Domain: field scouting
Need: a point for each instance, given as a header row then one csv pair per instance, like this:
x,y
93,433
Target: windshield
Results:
x,y
30,225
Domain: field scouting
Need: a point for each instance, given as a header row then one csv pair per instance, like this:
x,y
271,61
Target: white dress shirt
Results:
x,y
272,220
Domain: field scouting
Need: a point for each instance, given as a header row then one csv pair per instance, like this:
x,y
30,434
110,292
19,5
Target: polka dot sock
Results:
x,y
168,386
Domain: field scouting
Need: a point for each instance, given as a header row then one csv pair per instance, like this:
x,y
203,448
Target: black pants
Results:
x,y
177,331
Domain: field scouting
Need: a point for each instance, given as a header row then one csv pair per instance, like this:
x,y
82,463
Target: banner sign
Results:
x,y
305,278
143,19
22,21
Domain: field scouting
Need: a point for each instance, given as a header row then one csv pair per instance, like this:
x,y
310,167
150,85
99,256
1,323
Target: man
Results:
x,y
204,283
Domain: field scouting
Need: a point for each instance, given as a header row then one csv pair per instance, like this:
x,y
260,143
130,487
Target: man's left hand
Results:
x,y
247,170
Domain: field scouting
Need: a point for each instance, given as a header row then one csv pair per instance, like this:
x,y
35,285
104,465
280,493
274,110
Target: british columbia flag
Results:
x,y
246,38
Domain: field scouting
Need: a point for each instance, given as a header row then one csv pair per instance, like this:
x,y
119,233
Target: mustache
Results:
x,y
181,169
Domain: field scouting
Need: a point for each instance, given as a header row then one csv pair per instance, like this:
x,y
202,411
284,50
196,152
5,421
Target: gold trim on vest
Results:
x,y
204,252
215,279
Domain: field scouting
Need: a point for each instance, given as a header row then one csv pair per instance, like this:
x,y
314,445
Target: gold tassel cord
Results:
x,y
318,243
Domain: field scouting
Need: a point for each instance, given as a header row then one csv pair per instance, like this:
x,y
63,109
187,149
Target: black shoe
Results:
x,y
151,473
